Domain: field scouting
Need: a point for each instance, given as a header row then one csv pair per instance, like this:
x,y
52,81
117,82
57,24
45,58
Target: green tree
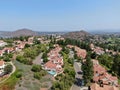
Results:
x,y
22,38
8,69
27,45
7,59
93,55
87,68
19,74
44,56
106,60
116,65
36,68
37,75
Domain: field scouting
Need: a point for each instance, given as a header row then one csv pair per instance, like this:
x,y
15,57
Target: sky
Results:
x,y
60,15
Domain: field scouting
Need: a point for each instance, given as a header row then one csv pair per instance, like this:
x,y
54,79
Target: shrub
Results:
x,y
36,68
37,75
8,69
19,74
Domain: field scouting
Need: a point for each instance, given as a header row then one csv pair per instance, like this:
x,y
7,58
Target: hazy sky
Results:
x,y
60,15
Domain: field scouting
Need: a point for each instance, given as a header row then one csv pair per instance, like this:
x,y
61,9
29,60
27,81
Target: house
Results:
x,y
20,46
96,86
101,75
80,52
1,53
2,43
55,63
92,46
97,50
2,65
17,42
8,49
30,40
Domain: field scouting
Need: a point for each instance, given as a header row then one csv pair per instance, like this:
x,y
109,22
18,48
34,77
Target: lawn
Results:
x,y
10,83
28,82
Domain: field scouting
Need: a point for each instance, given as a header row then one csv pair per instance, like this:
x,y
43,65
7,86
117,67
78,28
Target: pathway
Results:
x,y
14,68
38,59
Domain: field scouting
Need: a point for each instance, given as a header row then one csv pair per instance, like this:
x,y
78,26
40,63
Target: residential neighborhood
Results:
x,y
55,63
102,79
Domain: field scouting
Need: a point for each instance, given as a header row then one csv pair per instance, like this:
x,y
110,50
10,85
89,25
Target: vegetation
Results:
x,y
8,69
116,65
19,74
83,45
44,57
38,71
36,68
87,68
30,53
111,42
10,83
106,60
66,79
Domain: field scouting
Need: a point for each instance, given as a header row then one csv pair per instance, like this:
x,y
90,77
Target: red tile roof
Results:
x,y
80,52
101,74
2,62
55,60
105,87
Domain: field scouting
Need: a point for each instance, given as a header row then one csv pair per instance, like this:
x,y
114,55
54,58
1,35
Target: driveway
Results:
x,y
38,59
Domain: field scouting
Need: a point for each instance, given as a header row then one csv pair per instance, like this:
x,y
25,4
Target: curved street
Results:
x,y
14,68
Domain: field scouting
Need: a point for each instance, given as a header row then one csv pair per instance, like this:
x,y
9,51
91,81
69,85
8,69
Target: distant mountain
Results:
x,y
84,36
81,35
20,32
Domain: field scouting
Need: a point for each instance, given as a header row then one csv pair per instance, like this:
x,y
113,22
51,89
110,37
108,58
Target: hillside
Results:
x,y
20,32
83,36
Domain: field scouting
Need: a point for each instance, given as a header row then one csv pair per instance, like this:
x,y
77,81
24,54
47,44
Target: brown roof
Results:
x,y
1,62
100,73
105,87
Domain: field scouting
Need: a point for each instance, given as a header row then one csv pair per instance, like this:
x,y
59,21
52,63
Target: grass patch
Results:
x,y
10,83
118,81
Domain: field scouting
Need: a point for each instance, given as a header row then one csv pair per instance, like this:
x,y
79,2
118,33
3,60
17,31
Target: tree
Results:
x,y
106,60
10,55
87,68
93,55
36,41
27,45
36,68
116,65
8,69
22,38
19,74
37,75
7,59
44,56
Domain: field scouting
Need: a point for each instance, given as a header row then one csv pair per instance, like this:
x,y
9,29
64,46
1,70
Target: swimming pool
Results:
x,y
52,72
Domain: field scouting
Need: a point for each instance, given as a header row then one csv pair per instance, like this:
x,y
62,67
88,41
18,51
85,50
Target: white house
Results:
x,y
2,65
2,43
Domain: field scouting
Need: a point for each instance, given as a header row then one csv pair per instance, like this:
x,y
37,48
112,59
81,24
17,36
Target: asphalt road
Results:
x,y
78,83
